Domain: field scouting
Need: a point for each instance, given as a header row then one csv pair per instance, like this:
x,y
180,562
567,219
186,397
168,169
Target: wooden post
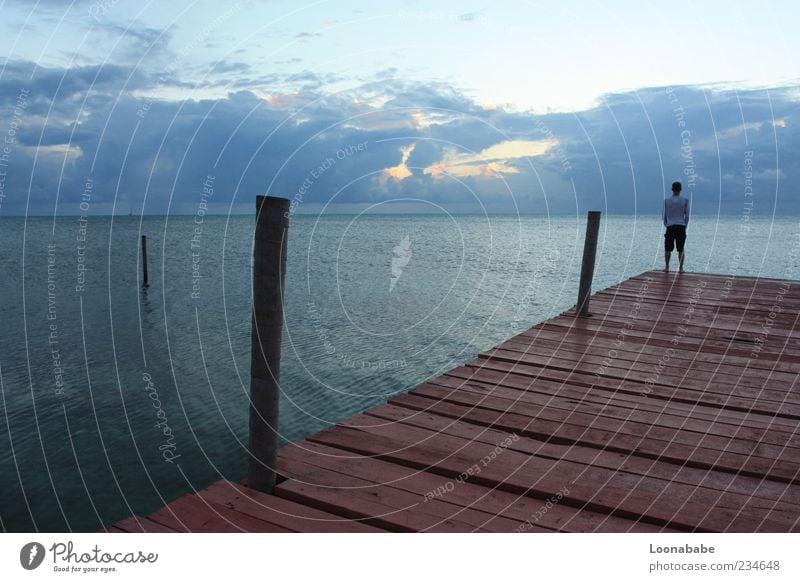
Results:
x,y
269,270
587,266
144,261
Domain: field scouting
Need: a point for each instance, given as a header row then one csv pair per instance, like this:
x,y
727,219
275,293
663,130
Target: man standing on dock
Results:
x,y
676,218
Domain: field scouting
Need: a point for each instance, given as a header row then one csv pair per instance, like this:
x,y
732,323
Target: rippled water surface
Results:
x,y
92,378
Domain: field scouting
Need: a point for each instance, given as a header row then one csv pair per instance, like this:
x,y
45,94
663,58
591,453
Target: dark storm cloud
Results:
x,y
61,108
643,140
620,155
58,86
50,136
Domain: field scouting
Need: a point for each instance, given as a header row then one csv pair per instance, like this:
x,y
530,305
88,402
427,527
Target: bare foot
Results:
x,y
666,269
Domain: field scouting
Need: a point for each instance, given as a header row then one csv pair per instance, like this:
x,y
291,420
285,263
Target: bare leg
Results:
x,y
666,261
680,262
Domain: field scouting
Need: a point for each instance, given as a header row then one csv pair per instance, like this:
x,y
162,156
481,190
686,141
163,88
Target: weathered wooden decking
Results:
x,y
674,407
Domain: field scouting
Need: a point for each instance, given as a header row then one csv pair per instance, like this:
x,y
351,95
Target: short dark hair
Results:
x,y
676,187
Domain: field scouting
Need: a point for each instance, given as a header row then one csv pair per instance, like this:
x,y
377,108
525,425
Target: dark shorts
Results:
x,y
674,237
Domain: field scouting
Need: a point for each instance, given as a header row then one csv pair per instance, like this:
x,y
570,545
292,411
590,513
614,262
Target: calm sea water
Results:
x,y
375,305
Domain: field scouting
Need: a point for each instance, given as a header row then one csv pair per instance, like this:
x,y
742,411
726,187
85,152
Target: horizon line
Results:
x,y
233,214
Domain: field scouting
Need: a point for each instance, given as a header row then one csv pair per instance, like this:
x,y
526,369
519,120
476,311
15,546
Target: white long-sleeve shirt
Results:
x,y
676,211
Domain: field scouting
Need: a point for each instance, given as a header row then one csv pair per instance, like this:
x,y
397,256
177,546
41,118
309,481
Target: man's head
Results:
x,y
676,188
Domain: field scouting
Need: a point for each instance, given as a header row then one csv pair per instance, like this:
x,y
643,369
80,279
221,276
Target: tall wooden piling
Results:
x,y
145,283
587,265
269,270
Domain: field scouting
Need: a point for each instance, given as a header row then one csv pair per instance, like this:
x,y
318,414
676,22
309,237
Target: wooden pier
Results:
x,y
674,407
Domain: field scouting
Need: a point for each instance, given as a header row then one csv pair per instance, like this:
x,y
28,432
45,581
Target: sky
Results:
x,y
530,107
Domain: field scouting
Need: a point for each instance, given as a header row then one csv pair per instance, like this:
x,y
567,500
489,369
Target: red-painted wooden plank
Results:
x,y
680,361
191,514
596,488
516,387
768,491
659,412
281,512
747,402
136,524
386,506
462,493
632,424
784,469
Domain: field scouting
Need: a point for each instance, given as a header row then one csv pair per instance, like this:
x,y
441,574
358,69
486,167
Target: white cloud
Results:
x,y
492,161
